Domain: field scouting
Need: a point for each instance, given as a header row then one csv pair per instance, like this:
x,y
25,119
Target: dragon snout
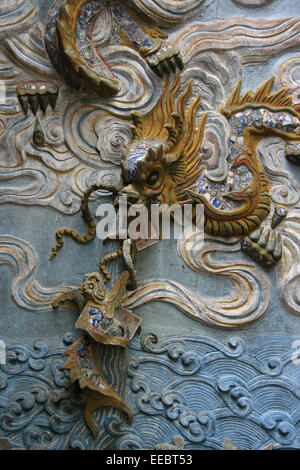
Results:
x,y
131,193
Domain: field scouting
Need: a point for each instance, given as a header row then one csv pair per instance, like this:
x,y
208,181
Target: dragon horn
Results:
x,y
136,136
178,122
137,127
160,153
172,138
151,155
175,132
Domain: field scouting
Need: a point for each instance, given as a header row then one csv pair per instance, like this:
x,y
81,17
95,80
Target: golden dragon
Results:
x,y
163,163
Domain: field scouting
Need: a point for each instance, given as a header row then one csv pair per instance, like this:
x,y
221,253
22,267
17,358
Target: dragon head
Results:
x,y
151,172
93,287
163,159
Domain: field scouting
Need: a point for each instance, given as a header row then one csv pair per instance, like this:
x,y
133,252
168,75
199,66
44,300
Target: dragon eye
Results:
x,y
91,286
153,178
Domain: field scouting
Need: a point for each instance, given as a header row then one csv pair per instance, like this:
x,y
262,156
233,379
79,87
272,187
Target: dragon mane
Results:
x,y
175,128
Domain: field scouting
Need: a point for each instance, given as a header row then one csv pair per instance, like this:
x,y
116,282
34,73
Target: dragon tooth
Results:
x,y
44,101
23,100
34,103
52,95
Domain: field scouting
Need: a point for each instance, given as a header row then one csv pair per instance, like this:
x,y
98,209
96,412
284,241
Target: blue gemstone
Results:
x,y
216,202
147,43
93,311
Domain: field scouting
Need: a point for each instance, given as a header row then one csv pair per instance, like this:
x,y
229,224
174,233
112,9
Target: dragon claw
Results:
x,y
280,213
158,70
166,60
264,245
61,298
165,67
172,64
179,61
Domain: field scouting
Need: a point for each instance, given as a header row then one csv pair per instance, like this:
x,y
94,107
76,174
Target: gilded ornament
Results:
x,y
104,321
164,160
84,367
73,53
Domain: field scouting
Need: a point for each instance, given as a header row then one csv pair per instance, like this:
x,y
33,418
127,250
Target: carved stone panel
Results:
x,y
151,341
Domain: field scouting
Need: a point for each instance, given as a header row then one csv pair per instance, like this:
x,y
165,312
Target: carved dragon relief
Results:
x,y
73,53
105,321
235,206
164,163
167,168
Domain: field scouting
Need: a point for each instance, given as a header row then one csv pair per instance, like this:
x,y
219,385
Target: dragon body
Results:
x,y
163,163
71,48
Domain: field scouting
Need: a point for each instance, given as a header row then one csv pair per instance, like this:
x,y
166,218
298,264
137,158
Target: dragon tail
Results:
x,y
88,219
84,367
95,403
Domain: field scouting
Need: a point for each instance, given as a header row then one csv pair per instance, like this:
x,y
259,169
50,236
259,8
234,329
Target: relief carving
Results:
x,y
139,100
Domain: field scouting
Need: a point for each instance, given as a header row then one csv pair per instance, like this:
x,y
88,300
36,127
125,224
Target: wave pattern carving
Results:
x,y
198,388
